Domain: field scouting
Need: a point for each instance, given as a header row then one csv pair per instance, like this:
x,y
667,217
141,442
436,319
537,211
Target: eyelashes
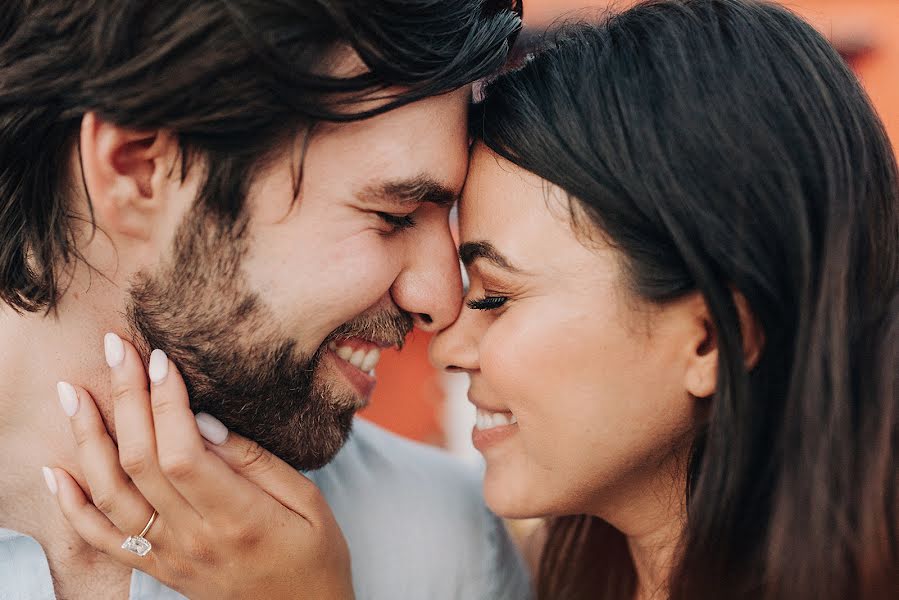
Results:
x,y
399,223
487,303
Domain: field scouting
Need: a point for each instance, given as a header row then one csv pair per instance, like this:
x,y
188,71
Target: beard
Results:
x,y
236,364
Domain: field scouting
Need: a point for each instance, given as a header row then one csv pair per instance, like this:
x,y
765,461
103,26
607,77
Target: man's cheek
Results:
x,y
365,289
372,272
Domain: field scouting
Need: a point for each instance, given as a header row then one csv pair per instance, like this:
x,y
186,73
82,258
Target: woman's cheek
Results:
x,y
522,479
500,358
517,371
521,347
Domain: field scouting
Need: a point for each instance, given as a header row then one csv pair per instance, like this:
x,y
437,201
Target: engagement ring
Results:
x,y
138,544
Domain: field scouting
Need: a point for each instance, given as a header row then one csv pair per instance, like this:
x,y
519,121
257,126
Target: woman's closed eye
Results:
x,y
488,302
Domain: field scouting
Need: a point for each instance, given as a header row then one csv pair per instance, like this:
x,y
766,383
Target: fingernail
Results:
x,y
50,480
212,429
159,366
68,398
115,350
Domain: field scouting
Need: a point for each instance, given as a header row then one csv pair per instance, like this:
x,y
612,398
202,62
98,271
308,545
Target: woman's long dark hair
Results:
x,y
723,145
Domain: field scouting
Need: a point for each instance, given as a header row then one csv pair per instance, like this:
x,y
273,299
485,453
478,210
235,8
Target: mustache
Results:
x,y
384,328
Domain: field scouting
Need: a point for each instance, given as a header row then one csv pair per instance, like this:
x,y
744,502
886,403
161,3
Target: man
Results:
x,y
261,190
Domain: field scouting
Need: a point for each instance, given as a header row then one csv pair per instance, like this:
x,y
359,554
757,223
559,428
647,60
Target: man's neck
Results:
x,y
37,351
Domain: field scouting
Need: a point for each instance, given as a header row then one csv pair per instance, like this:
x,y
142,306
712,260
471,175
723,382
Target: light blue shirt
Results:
x,y
414,520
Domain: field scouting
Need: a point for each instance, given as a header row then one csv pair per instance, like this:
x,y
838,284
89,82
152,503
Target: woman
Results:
x,y
682,234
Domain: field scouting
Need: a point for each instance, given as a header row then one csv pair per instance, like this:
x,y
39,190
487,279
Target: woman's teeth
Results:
x,y
364,360
489,420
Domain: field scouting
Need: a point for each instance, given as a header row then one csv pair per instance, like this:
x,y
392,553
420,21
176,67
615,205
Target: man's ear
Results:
x,y
701,376
126,172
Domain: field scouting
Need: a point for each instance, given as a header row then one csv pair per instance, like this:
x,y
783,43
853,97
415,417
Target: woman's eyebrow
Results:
x,y
469,252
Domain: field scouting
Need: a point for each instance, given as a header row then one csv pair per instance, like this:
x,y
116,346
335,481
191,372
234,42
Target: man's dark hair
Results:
x,y
232,79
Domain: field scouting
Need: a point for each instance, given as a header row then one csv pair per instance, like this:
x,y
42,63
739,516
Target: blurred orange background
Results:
x,y
411,397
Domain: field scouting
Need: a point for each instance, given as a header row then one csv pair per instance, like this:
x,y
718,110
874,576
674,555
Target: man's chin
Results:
x,y
305,428
306,442
348,388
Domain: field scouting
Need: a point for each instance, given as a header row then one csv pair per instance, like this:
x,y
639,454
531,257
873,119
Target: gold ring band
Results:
x,y
149,524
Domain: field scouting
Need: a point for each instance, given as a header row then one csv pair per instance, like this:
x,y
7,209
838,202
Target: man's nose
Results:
x,y
430,286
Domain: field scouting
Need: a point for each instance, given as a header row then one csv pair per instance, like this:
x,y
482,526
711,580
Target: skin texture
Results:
x,y
603,385
318,263
238,309
606,389
223,504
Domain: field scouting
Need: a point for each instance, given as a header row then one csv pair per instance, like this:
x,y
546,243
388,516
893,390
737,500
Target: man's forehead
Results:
x,y
343,61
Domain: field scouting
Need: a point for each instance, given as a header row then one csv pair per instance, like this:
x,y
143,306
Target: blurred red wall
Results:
x,y
409,399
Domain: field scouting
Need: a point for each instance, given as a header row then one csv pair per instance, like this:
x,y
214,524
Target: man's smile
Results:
x,y
362,354
356,358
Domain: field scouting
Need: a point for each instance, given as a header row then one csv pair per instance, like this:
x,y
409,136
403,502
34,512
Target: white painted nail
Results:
x,y
50,480
68,398
115,350
212,429
159,366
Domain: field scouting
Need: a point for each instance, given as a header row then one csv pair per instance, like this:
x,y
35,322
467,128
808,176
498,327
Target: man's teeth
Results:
x,y
364,360
490,420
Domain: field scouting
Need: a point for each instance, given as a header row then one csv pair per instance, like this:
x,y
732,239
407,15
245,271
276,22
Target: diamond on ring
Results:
x,y
137,545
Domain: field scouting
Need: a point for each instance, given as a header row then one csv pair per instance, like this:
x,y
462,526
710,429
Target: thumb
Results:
x,y
256,464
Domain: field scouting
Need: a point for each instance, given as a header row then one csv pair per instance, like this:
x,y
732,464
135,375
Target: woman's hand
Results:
x,y
234,521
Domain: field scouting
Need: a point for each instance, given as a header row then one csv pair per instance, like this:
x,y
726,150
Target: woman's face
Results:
x,y
580,386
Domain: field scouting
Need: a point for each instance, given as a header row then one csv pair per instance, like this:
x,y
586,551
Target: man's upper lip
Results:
x,y
379,343
482,406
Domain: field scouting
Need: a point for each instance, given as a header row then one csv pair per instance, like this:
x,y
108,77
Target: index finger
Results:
x,y
198,475
134,432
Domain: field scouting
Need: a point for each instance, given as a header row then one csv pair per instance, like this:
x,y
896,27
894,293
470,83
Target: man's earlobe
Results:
x,y
124,172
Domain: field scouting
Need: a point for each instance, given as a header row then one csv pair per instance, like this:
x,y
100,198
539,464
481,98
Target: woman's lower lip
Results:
x,y
363,383
487,438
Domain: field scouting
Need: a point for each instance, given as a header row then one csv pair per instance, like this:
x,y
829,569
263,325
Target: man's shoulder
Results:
x,y
376,457
416,524
367,436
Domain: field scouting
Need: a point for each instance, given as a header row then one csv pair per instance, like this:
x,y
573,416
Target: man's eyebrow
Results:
x,y
413,190
472,251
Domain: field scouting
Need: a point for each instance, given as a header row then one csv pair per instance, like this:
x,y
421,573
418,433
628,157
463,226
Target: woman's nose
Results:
x,y
455,348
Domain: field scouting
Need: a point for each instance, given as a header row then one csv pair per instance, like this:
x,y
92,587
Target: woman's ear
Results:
x,y
750,328
125,172
701,375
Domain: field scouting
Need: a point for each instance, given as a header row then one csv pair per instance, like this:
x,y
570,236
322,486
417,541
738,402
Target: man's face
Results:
x,y
277,323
